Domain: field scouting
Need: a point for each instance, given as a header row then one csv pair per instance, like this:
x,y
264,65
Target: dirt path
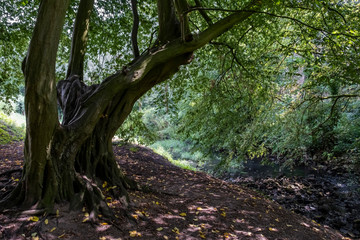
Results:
x,y
180,204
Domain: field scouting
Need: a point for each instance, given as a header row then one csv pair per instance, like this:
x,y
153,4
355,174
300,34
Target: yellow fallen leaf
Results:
x,y
199,208
175,230
34,218
53,229
61,236
57,212
134,234
104,223
202,235
166,237
104,184
182,214
273,229
159,229
223,214
46,221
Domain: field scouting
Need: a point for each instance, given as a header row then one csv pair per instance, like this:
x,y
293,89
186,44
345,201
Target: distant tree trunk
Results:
x,y
70,161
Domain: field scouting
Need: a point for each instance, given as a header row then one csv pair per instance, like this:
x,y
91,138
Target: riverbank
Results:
x,y
328,195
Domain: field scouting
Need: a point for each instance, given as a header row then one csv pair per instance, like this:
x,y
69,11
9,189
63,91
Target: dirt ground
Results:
x,y
179,204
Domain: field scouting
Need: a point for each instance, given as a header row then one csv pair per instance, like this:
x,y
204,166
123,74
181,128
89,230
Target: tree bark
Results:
x,y
79,39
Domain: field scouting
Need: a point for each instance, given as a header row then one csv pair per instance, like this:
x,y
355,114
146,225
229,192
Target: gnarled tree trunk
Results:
x,y
69,161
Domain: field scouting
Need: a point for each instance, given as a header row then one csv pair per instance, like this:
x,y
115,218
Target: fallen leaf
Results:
x,y
104,223
159,229
134,234
53,229
46,221
34,218
202,235
182,214
61,236
175,230
273,229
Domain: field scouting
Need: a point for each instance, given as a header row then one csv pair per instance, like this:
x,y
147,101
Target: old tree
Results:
x,y
68,160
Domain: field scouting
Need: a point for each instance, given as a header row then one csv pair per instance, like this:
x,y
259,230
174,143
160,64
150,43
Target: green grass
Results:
x,y
12,128
184,164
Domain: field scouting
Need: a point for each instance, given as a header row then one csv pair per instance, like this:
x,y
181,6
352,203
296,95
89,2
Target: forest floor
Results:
x,y
179,204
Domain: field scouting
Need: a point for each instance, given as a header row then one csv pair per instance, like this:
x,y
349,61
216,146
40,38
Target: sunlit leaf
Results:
x,y
159,229
46,221
182,214
34,218
134,234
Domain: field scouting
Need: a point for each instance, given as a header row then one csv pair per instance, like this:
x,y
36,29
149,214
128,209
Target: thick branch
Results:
x,y
169,27
203,13
79,39
135,28
136,74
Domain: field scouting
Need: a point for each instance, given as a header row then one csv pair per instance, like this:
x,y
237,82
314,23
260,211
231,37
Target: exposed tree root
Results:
x,y
9,172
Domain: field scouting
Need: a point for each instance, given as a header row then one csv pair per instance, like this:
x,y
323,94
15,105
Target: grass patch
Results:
x,y
184,164
11,128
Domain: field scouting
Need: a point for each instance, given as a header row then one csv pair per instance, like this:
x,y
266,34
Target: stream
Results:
x,y
330,196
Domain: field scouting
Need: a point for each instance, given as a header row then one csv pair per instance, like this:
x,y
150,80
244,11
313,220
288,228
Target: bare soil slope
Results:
x,y
177,204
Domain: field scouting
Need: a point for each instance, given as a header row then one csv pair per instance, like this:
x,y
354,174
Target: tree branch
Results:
x,y
79,39
203,13
169,27
135,28
182,7
273,15
150,68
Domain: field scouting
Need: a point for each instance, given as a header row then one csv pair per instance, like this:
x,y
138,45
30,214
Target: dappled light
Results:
x,y
179,204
